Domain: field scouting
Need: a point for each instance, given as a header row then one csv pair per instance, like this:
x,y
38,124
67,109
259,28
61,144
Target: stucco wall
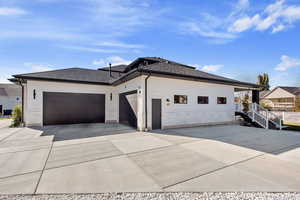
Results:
x,y
34,107
192,113
163,88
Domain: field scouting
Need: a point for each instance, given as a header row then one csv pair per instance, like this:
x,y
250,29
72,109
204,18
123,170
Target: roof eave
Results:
x,y
240,84
60,80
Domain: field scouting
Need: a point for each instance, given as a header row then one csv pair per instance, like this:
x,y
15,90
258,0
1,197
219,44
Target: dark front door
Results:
x,y
73,108
128,108
156,114
1,109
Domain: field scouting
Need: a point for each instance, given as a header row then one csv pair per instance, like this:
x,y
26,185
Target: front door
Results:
x,y
156,114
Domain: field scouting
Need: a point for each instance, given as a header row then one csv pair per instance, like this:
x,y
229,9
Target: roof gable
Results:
x,y
279,92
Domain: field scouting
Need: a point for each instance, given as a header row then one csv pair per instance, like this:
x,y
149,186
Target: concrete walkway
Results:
x,y
119,159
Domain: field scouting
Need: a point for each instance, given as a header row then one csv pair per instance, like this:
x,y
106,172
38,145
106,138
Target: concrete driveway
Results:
x,y
119,159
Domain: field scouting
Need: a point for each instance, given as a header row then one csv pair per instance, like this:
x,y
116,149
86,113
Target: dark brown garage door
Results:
x,y
73,108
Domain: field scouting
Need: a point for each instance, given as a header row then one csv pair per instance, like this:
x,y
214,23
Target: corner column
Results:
x,y
255,96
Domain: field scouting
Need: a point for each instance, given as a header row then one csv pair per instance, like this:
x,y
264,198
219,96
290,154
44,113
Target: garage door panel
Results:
x,y
73,108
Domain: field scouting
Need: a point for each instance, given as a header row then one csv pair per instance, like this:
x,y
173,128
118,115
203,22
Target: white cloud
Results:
x,y
38,67
5,11
287,62
277,16
114,60
242,4
205,31
122,16
120,45
278,28
243,24
91,49
211,68
208,68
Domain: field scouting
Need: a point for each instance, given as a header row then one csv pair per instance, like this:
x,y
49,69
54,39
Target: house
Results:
x,y
283,98
10,96
149,93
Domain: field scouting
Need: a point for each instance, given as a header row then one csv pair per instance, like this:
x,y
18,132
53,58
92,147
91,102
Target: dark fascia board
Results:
x,y
193,78
61,80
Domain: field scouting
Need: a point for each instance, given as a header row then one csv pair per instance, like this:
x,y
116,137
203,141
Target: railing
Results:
x,y
261,115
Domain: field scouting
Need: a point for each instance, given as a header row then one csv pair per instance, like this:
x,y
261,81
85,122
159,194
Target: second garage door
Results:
x,y
73,108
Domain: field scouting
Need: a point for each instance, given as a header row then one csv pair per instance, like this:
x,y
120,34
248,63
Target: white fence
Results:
x,y
289,116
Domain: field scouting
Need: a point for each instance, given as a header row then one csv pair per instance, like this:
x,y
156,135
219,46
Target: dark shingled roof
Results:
x,y
293,90
115,68
170,68
73,75
10,90
154,65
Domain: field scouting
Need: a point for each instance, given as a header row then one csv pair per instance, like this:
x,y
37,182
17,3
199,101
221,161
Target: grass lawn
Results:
x,y
5,118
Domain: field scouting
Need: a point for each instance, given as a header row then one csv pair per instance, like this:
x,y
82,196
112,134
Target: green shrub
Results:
x,y
17,116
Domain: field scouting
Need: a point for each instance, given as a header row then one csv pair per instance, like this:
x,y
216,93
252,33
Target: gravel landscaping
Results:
x,y
161,196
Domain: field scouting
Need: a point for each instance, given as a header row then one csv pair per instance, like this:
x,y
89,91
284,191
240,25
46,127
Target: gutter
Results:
x,y
146,101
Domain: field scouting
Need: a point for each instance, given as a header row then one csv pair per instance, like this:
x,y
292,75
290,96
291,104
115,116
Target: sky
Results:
x,y
234,38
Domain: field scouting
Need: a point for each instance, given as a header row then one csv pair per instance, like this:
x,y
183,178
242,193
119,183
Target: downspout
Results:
x,y
22,120
146,101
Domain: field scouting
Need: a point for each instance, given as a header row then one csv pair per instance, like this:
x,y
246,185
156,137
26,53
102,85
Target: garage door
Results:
x,y
73,108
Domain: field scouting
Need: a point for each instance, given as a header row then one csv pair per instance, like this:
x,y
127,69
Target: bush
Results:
x,y
245,103
17,116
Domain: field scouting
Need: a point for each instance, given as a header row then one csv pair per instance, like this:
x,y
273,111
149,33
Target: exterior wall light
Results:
x,y
34,94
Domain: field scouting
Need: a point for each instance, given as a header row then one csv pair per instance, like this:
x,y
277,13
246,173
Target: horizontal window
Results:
x,y
202,100
221,100
180,99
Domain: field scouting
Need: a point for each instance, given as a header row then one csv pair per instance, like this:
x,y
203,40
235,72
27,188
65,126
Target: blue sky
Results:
x,y
234,38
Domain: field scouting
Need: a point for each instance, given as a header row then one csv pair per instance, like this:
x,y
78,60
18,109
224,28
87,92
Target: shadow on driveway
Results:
x,y
78,131
268,141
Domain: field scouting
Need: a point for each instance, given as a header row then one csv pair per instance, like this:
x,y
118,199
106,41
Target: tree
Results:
x,y
263,80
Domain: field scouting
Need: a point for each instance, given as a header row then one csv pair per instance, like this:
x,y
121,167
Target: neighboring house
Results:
x,y
10,96
149,93
283,99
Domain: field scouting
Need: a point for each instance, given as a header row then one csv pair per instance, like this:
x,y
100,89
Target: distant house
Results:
x,y
10,96
282,99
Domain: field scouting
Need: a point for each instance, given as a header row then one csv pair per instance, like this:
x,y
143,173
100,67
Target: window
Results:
x,y
221,100
202,100
180,99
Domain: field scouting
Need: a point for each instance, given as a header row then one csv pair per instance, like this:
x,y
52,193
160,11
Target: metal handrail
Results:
x,y
261,115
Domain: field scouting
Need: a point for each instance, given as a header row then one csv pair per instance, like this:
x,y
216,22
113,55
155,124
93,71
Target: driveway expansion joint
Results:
x,y
35,190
